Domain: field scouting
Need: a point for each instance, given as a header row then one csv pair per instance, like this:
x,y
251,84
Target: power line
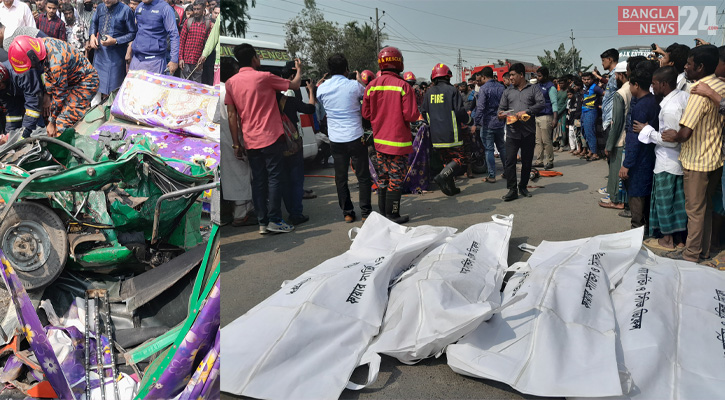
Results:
x,y
414,35
457,19
331,12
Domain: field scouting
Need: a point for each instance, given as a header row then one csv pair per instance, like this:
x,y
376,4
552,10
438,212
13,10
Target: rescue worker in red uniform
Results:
x,y
444,110
389,104
70,79
410,78
367,76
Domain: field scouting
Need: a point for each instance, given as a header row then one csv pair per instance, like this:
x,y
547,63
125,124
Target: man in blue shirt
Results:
x,y
112,28
491,128
156,20
341,99
590,107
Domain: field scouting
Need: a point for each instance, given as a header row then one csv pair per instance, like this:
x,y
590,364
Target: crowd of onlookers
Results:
x,y
658,122
162,36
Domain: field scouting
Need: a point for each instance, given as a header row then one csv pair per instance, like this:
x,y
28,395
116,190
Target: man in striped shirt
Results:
x,y
701,136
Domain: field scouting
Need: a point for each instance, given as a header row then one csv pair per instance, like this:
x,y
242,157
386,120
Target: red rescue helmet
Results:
x,y
409,76
367,76
4,73
26,51
377,74
440,70
390,58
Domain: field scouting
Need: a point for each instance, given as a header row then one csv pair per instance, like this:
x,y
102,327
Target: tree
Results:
x,y
236,17
313,39
561,62
360,47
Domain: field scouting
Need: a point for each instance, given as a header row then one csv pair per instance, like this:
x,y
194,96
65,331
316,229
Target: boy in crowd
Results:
x,y
667,211
590,106
574,115
639,161
676,55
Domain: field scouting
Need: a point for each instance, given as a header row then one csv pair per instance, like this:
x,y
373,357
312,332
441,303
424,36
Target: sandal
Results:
x,y
677,255
716,262
654,244
616,206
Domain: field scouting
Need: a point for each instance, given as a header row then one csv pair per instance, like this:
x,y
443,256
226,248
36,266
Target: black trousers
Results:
x,y
639,206
526,145
342,153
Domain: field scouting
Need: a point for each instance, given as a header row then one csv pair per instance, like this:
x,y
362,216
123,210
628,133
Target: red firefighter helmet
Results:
x,y
377,74
4,73
409,76
440,70
24,52
367,76
390,58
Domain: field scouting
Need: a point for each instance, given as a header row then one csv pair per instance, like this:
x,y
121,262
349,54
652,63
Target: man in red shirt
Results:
x,y
255,124
390,105
50,23
193,38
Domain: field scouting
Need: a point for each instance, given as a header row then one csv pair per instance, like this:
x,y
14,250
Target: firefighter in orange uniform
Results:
x,y
389,103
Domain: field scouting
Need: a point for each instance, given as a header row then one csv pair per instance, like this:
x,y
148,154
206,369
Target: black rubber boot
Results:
x,y
446,179
392,208
381,201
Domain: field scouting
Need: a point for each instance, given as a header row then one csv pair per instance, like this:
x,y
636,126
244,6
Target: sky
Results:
x,y
431,32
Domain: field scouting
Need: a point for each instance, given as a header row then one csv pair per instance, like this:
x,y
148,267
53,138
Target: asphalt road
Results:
x,y
565,208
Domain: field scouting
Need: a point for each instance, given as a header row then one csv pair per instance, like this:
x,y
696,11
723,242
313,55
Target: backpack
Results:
x,y
192,20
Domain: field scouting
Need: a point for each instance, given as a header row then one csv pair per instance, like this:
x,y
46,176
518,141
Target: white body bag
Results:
x,y
304,341
560,339
671,317
446,294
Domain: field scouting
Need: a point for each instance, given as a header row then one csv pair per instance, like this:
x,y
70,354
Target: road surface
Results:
x,y
565,208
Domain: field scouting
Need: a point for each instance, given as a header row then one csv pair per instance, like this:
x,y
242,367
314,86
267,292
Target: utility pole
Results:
x,y
377,29
573,55
459,64
722,29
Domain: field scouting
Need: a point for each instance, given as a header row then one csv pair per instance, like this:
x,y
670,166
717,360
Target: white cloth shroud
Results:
x,y
446,294
671,319
305,340
560,339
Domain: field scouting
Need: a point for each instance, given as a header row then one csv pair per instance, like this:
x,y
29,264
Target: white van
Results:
x,y
273,57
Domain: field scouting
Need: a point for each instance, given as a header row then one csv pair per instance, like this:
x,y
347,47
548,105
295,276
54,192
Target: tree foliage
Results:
x,y
236,16
313,39
561,61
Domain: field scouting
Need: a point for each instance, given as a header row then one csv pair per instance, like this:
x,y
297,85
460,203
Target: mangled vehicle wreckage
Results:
x,y
100,232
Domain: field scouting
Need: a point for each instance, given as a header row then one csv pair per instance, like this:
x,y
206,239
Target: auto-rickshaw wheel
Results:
x,y
35,242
